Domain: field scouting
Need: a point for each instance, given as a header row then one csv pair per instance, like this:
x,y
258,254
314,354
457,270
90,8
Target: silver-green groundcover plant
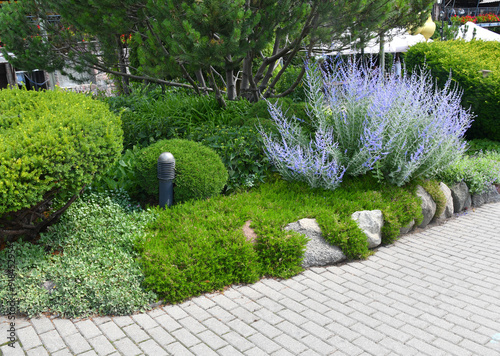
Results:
x,y
399,128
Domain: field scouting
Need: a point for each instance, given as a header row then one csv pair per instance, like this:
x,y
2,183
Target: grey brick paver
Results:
x,y
186,337
77,343
264,343
28,338
150,347
64,352
64,326
136,333
368,332
178,349
370,346
216,326
237,341
16,350
42,324
202,349
175,311
317,317
318,345
450,347
212,340
242,328
269,316
292,317
122,321
112,331
89,353
102,345
221,314
88,329
292,330
291,304
290,344
229,351
267,329
161,336
197,312
127,347
168,323
52,341
39,351
145,321
433,292
342,331
101,319
255,351
244,315
317,330
398,347
270,304
425,347
192,325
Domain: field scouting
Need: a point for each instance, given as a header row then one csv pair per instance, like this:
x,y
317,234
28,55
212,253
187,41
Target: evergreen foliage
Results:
x,y
199,171
52,144
192,39
465,63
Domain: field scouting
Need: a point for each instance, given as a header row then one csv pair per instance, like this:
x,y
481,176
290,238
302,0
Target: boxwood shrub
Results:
x,y
52,144
199,171
466,61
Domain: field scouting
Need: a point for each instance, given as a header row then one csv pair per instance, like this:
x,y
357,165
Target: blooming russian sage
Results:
x,y
400,128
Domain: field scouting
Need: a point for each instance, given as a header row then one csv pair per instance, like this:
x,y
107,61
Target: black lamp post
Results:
x,y
441,17
166,175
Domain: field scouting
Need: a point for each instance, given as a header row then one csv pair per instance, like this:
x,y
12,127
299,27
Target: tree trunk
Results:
x,y
123,69
11,77
201,79
218,94
245,91
231,84
263,85
381,55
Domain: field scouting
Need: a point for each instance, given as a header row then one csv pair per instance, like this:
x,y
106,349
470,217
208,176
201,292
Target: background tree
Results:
x,y
221,40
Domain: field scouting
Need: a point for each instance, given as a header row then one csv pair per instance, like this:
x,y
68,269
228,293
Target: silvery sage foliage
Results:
x,y
315,162
399,128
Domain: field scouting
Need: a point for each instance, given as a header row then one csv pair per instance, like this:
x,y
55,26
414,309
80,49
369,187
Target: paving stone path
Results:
x,y
435,292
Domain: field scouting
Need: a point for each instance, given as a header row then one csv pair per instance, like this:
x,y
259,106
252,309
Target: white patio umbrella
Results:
x,y
471,30
400,41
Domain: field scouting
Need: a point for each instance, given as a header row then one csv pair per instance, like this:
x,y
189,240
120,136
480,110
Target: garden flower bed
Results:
x,y
367,149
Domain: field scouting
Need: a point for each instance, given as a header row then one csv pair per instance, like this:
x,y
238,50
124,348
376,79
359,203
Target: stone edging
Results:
x,y
320,253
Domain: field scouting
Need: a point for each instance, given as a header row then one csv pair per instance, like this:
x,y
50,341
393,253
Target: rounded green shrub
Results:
x,y
199,171
474,65
52,144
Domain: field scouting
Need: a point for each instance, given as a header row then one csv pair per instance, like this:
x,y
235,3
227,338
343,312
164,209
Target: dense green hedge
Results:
x,y
466,60
51,143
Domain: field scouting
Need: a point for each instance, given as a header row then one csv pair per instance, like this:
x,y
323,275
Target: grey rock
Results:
x,y
490,196
371,222
461,197
406,229
428,206
318,251
448,210
49,286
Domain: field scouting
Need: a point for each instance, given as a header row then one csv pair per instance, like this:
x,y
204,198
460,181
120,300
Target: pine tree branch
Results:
x,y
183,69
293,86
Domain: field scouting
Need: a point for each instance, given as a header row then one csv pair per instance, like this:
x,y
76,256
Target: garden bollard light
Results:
x,y
166,175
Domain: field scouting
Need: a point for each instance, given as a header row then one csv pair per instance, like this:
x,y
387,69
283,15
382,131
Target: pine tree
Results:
x,y
220,40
